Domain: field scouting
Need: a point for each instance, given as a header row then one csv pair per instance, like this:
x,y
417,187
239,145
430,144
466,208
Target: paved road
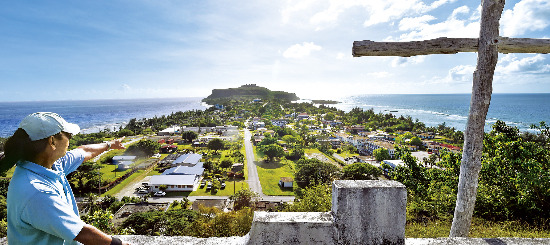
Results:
x,y
253,182
124,144
253,179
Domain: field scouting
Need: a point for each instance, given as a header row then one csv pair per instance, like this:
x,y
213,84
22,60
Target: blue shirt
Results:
x,y
41,205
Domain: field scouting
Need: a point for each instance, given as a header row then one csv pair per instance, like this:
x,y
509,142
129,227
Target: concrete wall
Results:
x,y
363,212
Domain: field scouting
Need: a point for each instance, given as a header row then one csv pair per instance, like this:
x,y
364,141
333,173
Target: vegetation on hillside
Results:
x,y
248,92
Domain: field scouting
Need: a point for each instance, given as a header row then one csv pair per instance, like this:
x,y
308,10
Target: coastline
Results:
x,y
520,111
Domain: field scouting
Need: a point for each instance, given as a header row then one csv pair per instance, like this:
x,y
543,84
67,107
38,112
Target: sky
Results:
x,y
122,49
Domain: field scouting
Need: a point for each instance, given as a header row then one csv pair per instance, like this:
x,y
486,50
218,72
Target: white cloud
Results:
x,y
126,87
381,74
405,61
386,11
415,23
452,27
461,73
301,50
460,10
293,8
527,15
326,13
510,64
340,56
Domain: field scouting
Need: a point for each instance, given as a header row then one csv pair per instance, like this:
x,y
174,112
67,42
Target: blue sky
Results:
x,y
73,50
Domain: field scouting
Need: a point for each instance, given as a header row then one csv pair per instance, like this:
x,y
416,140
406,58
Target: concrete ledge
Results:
x,y
172,240
477,241
292,228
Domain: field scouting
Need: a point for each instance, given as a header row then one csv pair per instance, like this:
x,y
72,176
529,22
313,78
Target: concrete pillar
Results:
x,y
292,228
369,211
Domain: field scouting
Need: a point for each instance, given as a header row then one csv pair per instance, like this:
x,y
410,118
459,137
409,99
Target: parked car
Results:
x,y
142,191
159,194
209,186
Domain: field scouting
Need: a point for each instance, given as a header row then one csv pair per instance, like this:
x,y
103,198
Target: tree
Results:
x,y
272,151
243,198
290,139
329,116
316,198
360,171
381,154
189,136
268,140
402,139
295,153
226,163
515,178
85,172
415,141
124,132
143,148
313,171
215,144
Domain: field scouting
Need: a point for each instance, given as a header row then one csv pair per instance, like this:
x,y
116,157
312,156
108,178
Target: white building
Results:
x,y
173,182
171,131
123,162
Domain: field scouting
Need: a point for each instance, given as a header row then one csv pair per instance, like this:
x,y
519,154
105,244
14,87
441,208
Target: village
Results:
x,y
213,163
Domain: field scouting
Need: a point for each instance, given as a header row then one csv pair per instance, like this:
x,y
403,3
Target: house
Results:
x,y
173,182
286,182
123,162
355,129
170,131
190,160
394,163
237,167
280,122
185,170
168,148
302,116
195,171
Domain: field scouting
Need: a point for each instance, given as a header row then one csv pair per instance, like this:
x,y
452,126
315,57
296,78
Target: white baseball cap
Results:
x,y
41,125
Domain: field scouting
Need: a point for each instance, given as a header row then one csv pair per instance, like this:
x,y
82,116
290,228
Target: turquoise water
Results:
x,y
519,110
94,115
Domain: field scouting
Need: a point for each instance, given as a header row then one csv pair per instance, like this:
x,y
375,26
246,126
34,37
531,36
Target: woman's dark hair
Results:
x,y
20,147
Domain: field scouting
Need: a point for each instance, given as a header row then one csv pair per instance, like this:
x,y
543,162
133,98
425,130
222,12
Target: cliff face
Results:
x,y
249,91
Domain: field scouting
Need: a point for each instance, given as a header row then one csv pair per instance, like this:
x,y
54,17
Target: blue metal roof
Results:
x,y
188,158
183,170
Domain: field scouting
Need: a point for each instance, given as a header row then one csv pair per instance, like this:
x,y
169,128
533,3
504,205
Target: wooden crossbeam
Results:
x,y
445,45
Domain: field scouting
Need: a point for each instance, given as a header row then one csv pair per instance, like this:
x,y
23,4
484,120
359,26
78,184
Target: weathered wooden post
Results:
x,y
487,45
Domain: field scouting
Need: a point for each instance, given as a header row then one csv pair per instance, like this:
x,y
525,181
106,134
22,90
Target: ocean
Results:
x,y
520,110
95,115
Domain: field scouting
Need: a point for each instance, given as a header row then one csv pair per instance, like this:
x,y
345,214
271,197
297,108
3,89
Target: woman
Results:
x,y
41,205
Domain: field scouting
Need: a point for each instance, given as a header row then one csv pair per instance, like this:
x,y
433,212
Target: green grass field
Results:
x,y
480,228
137,175
346,154
270,174
110,172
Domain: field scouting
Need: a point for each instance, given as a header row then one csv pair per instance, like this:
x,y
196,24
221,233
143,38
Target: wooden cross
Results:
x,y
488,45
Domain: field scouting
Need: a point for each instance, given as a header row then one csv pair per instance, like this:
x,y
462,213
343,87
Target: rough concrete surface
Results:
x,y
172,240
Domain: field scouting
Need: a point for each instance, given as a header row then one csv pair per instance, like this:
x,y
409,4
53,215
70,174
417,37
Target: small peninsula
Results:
x,y
248,91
